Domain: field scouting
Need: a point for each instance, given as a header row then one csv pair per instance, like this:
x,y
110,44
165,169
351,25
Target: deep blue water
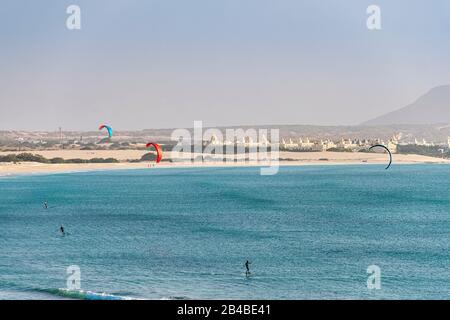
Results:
x,y
310,233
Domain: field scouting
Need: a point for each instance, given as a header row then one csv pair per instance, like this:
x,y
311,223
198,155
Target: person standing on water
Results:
x,y
247,272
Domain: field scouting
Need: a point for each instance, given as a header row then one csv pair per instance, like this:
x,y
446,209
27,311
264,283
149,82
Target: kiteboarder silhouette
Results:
x,y
247,271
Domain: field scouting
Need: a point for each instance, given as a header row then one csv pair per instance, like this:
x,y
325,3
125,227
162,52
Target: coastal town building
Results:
x,y
392,146
289,144
307,144
348,144
423,143
244,141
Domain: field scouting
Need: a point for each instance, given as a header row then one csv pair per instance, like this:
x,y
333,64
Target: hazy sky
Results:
x,y
165,63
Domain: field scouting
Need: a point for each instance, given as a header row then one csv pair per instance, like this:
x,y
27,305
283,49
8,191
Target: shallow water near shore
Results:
x,y
185,233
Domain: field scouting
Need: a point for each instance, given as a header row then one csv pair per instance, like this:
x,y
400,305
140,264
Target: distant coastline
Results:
x,y
286,159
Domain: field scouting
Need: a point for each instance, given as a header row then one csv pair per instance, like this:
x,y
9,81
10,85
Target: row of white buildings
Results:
x,y
305,144
242,141
424,142
351,144
322,144
345,144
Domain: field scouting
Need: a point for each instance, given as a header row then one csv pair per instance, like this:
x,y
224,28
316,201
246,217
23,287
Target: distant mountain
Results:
x,y
431,108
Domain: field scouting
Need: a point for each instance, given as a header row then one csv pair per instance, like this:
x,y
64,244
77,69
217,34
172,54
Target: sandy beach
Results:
x,y
286,158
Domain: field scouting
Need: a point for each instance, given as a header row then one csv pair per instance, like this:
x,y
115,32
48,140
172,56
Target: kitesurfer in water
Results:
x,y
62,230
247,272
45,204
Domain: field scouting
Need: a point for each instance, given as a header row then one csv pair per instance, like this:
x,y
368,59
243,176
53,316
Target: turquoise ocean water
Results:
x,y
310,233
